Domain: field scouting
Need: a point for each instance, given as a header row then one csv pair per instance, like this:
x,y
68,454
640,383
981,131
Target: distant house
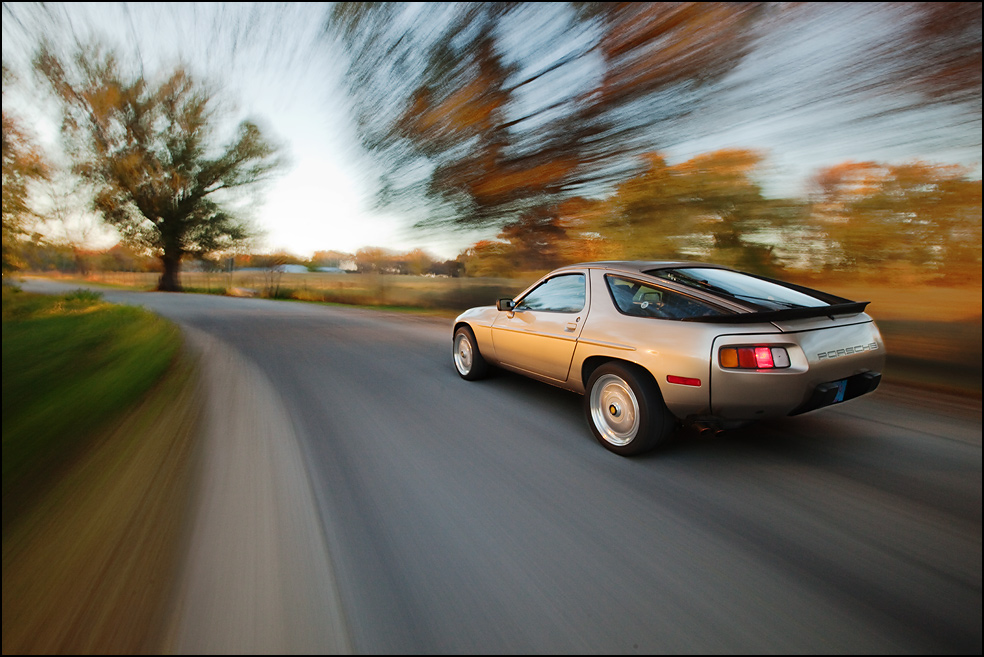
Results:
x,y
291,269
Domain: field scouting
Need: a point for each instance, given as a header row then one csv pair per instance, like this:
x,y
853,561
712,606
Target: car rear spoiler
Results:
x,y
847,308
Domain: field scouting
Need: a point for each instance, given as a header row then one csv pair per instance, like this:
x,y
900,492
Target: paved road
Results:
x,y
464,517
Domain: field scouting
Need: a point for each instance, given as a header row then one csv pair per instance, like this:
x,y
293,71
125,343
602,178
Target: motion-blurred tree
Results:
x,y
330,258
150,151
494,110
489,258
546,237
536,239
919,214
941,56
23,164
904,76
709,207
416,262
375,259
582,219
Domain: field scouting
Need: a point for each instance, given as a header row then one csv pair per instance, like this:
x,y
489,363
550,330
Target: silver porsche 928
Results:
x,y
650,344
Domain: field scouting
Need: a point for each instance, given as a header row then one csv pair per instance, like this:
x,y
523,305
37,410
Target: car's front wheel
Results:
x,y
468,359
625,410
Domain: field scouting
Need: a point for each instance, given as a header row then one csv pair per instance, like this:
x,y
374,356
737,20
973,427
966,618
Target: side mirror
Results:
x,y
505,304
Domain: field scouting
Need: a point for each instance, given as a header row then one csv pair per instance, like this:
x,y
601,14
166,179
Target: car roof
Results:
x,y
639,266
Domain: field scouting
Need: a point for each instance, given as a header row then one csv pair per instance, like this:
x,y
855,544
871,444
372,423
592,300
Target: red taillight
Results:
x,y
760,357
763,358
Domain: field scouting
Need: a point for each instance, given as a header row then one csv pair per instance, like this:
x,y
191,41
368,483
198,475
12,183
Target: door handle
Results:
x,y
571,326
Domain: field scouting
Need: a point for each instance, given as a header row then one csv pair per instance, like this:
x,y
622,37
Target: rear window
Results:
x,y
643,300
749,290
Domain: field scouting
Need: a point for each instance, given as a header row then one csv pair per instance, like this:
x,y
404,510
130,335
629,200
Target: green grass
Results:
x,y
70,365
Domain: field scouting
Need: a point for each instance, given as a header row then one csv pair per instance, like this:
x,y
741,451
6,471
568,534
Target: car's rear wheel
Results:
x,y
625,410
468,359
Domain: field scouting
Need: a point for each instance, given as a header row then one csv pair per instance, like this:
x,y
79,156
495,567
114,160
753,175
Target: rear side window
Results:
x,y
560,294
639,299
750,290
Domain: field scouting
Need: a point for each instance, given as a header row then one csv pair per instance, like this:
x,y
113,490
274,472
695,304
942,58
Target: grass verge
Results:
x,y
70,365
90,548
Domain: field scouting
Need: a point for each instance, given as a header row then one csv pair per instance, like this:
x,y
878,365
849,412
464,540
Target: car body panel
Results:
x,y
681,354
754,394
540,342
480,319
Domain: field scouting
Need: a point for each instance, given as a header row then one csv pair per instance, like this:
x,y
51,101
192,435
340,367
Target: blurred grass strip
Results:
x,y
70,365
90,567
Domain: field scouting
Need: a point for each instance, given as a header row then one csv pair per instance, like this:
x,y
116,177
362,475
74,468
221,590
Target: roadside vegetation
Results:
x,y
70,364
99,419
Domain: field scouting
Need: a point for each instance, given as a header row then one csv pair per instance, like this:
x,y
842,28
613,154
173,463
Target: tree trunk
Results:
x,y
81,265
169,281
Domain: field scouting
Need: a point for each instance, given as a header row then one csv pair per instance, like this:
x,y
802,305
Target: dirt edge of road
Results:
x,y
257,576
190,528
90,568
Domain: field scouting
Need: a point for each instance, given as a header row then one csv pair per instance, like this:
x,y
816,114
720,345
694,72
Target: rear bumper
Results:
x,y
834,392
827,366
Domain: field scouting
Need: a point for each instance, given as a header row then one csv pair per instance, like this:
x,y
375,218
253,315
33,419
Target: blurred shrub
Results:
x,y
84,295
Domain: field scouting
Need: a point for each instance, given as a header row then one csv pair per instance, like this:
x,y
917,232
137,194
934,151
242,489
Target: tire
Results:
x,y
625,410
468,360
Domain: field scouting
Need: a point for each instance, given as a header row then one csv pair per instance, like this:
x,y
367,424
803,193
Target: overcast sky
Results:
x,y
271,61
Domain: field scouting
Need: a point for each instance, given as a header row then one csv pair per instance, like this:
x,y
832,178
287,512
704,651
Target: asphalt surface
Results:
x,y
392,507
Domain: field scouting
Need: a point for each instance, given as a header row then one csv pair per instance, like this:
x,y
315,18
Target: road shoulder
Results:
x,y
257,576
